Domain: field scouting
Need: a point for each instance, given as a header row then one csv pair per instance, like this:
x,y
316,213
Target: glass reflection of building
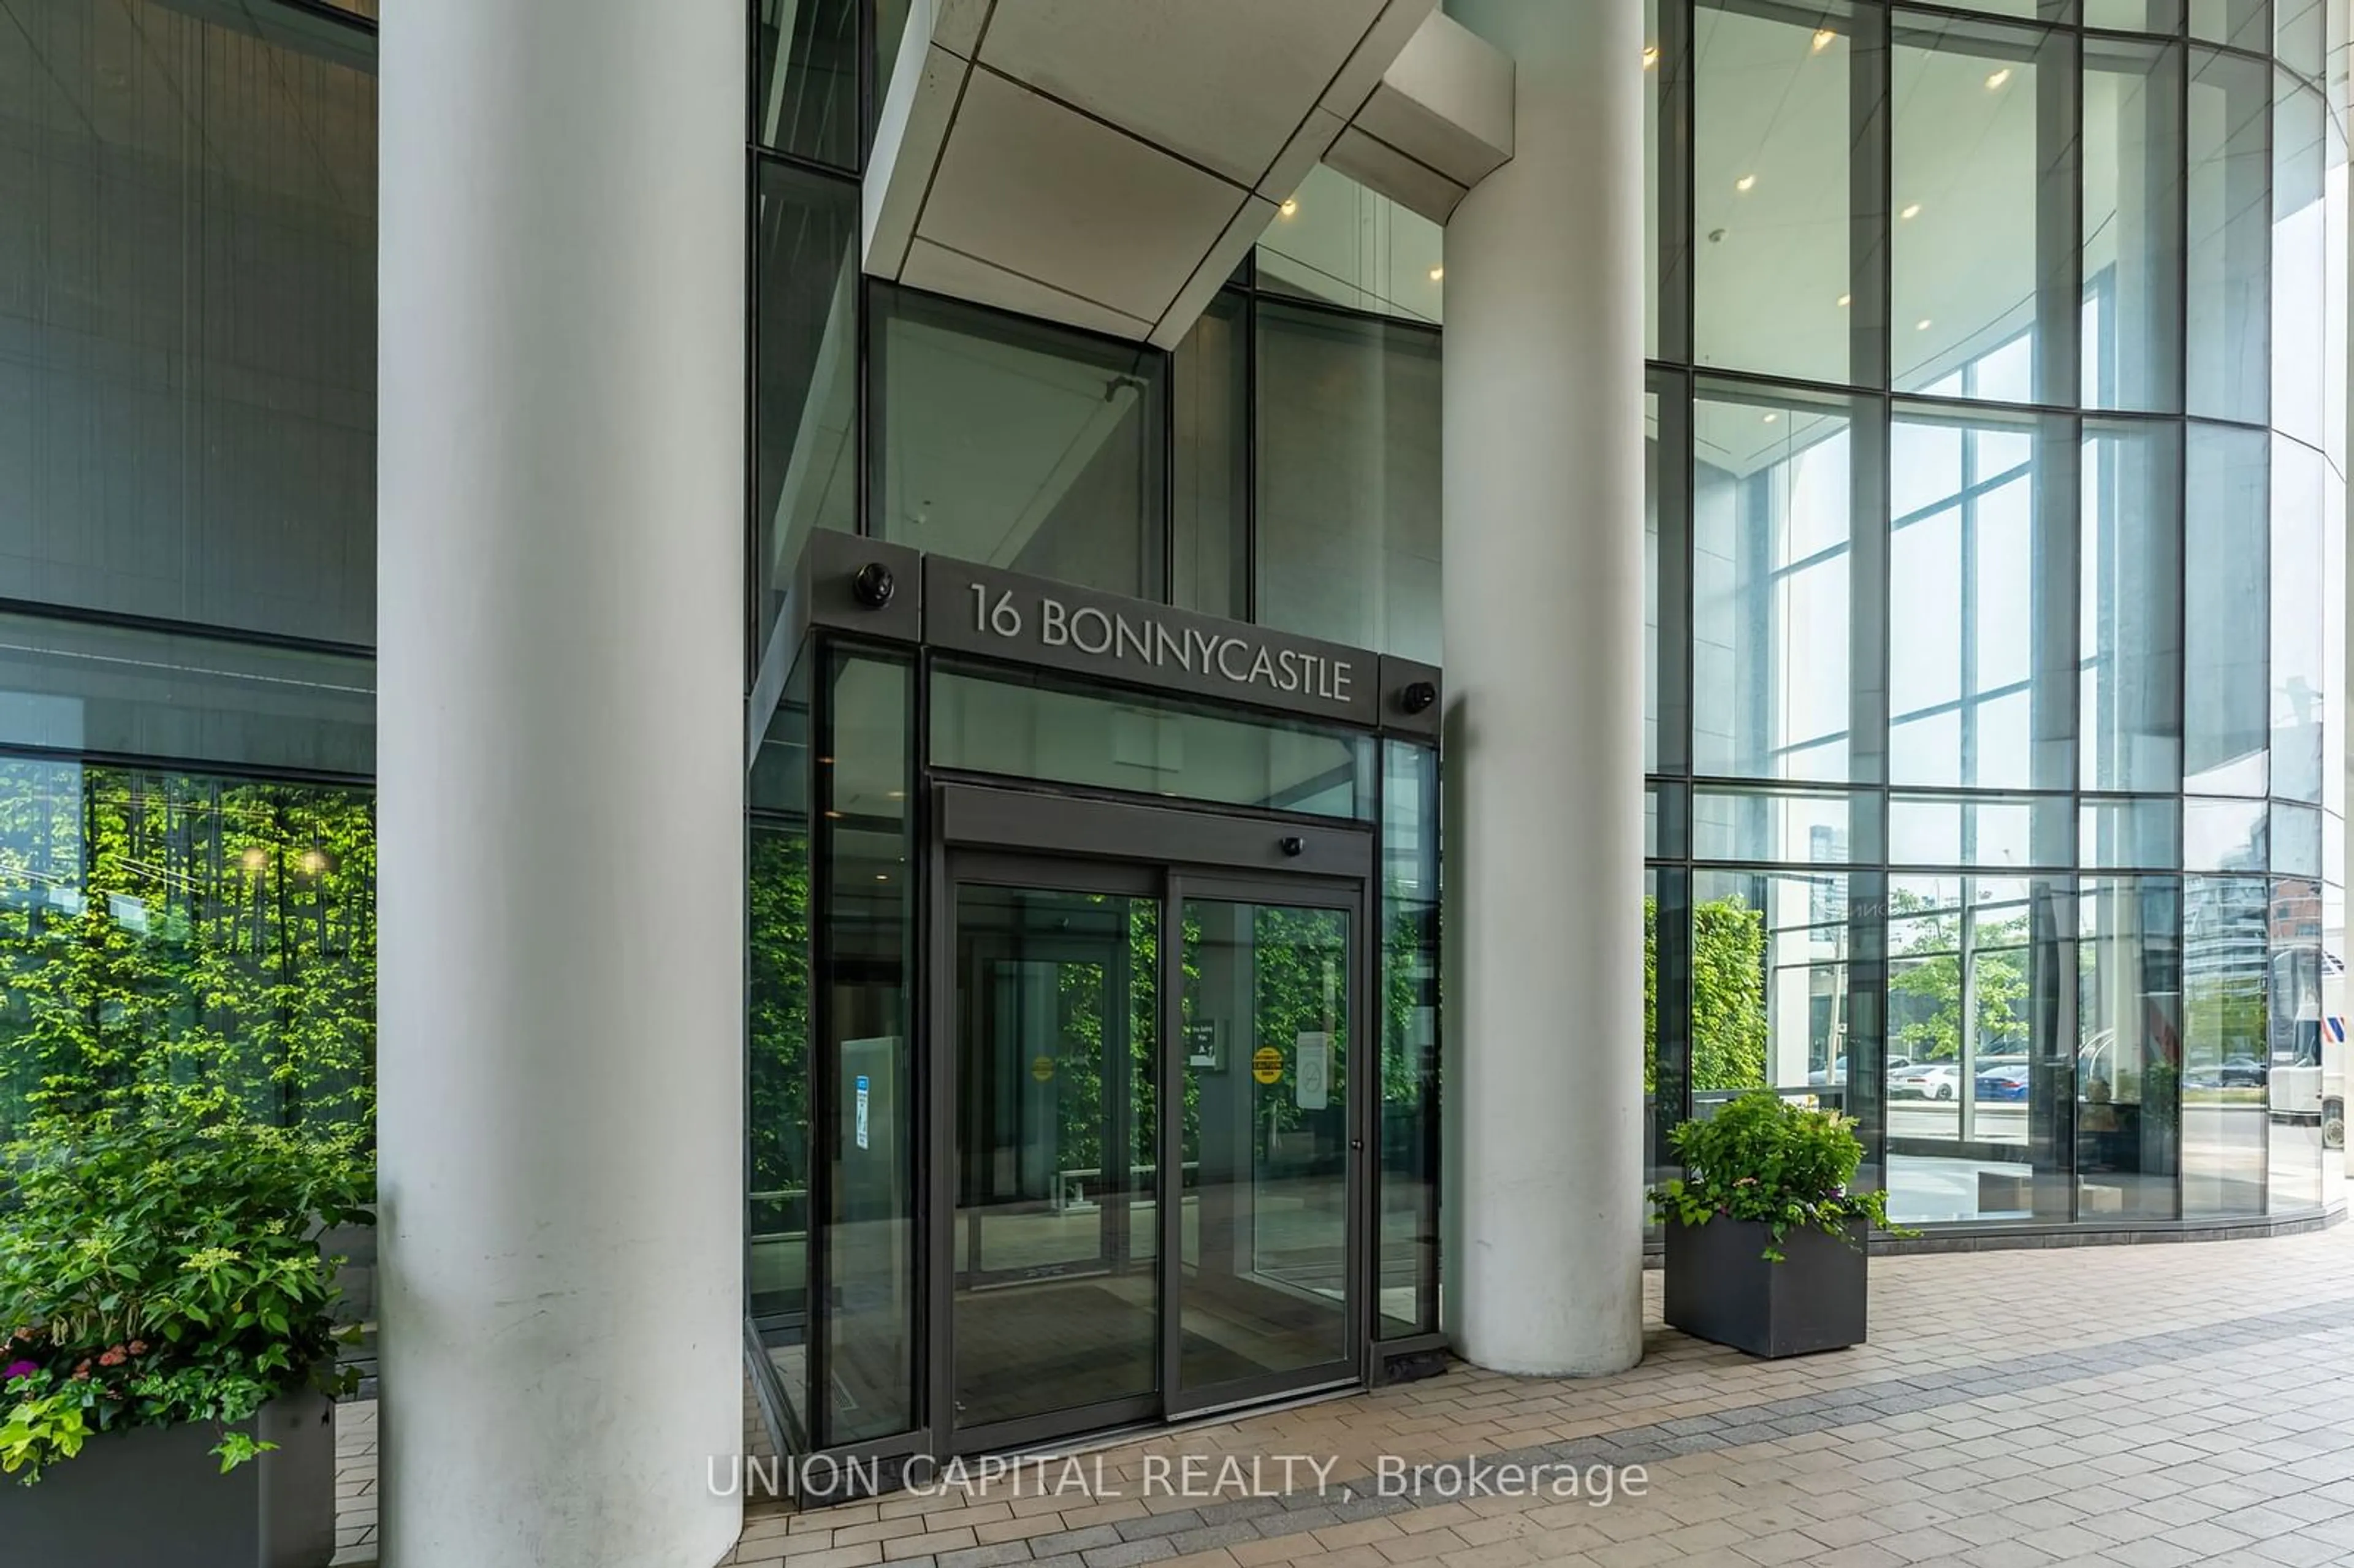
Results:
x,y
1997,481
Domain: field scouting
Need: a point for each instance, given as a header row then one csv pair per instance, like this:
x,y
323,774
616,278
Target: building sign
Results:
x,y
979,609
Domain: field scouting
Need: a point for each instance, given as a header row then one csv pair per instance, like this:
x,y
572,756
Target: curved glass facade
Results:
x,y
1997,496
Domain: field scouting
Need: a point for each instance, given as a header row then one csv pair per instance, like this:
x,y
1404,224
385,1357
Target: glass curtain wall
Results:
x,y
188,570
1281,465
1997,472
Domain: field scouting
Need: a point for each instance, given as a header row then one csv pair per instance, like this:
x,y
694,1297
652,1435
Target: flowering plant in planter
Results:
x,y
1766,1159
154,1275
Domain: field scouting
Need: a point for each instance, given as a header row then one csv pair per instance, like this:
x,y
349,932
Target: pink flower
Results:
x,y
15,1370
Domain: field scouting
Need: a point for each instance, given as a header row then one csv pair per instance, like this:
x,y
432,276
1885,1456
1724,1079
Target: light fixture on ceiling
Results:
x,y
835,816
1846,299
1823,36
1745,182
1921,325
1438,272
1291,205
255,858
1996,78
1771,418
1650,56
1912,209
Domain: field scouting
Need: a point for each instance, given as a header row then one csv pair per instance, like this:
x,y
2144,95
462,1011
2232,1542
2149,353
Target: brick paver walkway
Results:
x,y
2111,1407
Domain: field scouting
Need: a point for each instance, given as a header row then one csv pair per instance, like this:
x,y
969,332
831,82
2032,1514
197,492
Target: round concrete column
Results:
x,y
1544,606
561,760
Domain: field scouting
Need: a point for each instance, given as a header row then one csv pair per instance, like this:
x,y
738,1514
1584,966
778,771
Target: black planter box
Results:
x,y
1721,1288
155,1495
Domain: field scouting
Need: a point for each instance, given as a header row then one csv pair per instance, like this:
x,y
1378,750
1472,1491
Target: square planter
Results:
x,y
1721,1288
155,1495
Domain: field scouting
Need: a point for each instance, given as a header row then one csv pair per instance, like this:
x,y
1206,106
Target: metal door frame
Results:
x,y
1043,839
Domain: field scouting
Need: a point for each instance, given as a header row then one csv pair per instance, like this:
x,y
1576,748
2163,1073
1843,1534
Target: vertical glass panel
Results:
x,y
1009,442
1056,1060
2299,34
2225,835
1772,544
1769,984
1028,728
2296,841
2227,236
2130,835
1656,70
1669,933
1337,241
1985,238
2242,24
805,389
2302,605
2129,611
2293,1081
2135,16
2225,1042
1667,555
1349,479
188,314
1773,128
2131,353
2226,702
776,1039
805,58
1408,1237
2128,1081
2300,291
1979,1079
198,945
1264,1283
1209,518
865,1087
1978,624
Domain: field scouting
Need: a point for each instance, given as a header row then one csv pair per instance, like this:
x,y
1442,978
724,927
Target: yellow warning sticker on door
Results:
x,y
1266,1064
1042,1068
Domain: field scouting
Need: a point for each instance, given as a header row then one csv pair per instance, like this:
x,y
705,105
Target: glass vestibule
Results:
x,y
1155,1147
1093,1052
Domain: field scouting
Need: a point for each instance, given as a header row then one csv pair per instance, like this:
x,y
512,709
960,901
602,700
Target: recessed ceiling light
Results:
x,y
1845,300
1436,273
1771,417
1650,56
1823,36
1745,182
1998,78
1912,210
1921,325
1291,205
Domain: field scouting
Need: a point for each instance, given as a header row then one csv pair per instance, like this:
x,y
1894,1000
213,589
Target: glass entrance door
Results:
x,y
1262,1262
1054,1303
1111,1260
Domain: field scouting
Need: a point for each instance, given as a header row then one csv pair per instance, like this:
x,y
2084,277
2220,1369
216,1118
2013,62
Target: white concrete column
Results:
x,y
1544,606
561,738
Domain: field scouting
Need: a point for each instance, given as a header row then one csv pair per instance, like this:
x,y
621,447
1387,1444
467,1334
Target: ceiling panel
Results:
x,y
1223,83
1047,192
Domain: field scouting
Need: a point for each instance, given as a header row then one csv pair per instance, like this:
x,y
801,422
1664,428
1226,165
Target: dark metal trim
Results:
x,y
146,762
198,631
972,814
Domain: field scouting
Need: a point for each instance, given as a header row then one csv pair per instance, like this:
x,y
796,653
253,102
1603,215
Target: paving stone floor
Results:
x,y
2112,1407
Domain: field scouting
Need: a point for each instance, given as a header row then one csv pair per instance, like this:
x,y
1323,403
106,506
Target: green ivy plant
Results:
x,y
155,1273
1771,1161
